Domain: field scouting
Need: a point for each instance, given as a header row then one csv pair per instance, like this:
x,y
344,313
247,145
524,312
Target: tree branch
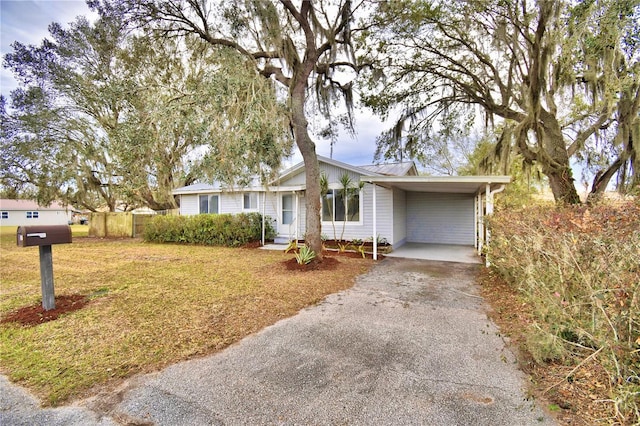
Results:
x,y
585,134
269,70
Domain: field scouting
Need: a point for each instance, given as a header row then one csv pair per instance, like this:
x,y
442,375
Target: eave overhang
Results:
x,y
449,184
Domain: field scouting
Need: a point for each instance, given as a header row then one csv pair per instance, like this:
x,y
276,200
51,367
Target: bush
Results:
x,y
209,229
579,269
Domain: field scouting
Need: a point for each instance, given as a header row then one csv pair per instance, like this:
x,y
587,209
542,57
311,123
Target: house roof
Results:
x,y
393,169
292,171
196,187
451,184
12,205
397,175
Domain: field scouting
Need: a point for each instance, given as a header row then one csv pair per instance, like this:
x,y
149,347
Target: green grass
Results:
x,y
151,305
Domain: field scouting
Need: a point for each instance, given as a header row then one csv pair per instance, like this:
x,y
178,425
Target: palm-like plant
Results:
x,y
347,190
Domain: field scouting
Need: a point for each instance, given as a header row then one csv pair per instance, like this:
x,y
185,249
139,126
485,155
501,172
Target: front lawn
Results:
x,y
149,305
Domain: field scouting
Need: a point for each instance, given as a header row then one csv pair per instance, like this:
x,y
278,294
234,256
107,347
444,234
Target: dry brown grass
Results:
x,y
150,305
576,274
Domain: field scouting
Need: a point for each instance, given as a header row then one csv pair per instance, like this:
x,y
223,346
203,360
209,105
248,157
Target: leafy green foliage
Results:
x,y
107,117
579,269
349,191
305,48
526,179
208,229
305,255
559,78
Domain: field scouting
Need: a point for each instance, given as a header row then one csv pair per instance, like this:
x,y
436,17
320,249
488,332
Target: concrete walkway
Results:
x,y
441,252
410,344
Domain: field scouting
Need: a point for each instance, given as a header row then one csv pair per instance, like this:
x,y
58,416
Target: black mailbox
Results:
x,y
43,235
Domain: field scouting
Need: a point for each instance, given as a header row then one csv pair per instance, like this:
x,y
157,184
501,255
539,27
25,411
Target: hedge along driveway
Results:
x,y
150,305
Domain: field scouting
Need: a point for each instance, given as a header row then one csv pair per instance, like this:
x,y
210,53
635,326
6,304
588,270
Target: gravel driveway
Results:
x,y
410,343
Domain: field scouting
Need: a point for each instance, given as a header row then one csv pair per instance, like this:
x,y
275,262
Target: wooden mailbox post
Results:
x,y
44,237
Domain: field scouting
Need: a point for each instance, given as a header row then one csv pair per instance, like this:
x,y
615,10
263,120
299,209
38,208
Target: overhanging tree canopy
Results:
x,y
299,46
518,61
106,116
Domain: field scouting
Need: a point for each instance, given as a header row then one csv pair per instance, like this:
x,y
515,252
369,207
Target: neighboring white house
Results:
x,y
394,203
27,212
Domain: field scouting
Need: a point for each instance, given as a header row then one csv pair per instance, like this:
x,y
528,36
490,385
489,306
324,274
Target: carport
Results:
x,y
432,212
439,252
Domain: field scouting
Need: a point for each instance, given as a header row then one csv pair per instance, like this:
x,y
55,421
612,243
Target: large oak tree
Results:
x,y
109,117
299,45
551,86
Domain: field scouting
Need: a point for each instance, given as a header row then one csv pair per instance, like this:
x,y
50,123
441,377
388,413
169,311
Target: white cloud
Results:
x,y
27,21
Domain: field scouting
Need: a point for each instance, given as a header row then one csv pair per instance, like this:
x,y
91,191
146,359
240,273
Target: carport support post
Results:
x,y
375,224
295,221
46,278
489,212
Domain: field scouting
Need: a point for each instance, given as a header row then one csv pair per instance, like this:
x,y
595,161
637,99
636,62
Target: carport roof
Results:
x,y
450,184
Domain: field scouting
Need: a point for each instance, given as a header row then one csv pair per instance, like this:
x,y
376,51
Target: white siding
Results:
x,y
333,176
302,216
45,217
270,206
384,201
189,205
440,218
399,217
231,202
335,173
298,179
361,230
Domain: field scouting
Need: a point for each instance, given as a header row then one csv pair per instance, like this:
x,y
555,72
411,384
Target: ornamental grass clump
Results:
x,y
305,255
579,270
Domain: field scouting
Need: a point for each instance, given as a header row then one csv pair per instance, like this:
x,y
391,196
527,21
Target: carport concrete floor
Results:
x,y
441,252
409,344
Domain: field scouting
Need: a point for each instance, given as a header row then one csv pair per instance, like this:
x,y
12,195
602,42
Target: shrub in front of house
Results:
x,y
578,268
209,229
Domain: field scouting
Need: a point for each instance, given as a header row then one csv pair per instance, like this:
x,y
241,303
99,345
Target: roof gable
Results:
x,y
288,174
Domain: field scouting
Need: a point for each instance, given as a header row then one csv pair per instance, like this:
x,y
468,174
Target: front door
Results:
x,y
287,222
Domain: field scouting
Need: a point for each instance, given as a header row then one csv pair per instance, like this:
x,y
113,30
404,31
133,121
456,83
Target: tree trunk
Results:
x,y
555,160
562,186
312,170
603,177
635,167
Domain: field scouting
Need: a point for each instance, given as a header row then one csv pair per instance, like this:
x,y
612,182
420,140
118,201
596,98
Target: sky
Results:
x,y
26,21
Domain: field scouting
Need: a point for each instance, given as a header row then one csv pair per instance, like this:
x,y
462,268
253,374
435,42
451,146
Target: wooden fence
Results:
x,y
125,224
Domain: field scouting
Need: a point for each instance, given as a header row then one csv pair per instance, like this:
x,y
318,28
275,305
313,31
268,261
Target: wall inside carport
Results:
x,y
399,217
440,218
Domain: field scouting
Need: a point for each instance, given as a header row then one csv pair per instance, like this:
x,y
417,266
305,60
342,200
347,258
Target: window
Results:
x,y
287,209
333,206
209,204
5,215
32,215
250,201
